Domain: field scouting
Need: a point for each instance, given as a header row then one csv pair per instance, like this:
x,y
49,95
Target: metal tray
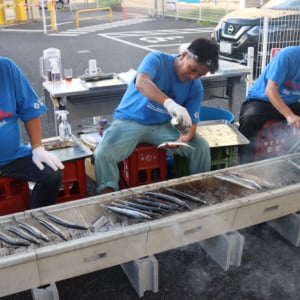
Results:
x,y
221,133
75,87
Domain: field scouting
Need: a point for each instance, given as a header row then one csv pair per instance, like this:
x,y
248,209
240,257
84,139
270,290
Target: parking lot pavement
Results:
x,y
65,20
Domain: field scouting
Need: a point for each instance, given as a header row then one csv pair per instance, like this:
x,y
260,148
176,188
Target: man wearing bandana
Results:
x,y
165,87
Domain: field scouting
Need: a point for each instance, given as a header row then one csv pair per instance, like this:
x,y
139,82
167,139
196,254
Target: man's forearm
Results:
x,y
147,87
34,131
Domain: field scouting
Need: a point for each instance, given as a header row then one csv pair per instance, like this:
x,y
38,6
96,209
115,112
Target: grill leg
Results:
x,y
48,292
143,274
288,227
225,249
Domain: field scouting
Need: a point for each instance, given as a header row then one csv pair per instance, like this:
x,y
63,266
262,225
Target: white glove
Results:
x,y
40,156
182,116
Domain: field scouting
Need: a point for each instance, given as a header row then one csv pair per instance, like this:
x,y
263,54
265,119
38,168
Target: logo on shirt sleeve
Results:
x,y
38,104
4,115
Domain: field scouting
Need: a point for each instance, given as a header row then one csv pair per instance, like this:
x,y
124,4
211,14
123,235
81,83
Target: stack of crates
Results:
x,y
222,157
273,139
73,181
14,195
146,164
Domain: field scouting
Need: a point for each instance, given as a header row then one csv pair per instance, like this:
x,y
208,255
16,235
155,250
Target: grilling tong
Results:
x,y
177,124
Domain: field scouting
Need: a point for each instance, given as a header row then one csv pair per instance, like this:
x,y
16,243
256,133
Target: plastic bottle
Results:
x,y
64,128
55,72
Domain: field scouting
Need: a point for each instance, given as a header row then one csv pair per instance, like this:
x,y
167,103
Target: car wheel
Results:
x,y
59,4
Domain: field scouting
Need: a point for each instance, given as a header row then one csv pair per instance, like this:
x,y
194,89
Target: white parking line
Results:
x,y
64,34
156,38
82,30
100,27
160,32
125,42
21,30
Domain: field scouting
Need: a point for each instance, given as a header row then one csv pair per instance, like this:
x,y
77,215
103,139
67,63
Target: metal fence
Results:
x,y
276,32
199,10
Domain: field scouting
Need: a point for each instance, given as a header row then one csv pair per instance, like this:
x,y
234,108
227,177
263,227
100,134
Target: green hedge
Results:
x,y
109,3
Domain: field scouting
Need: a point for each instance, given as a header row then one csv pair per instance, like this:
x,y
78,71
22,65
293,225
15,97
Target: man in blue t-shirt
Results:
x,y
274,96
165,86
18,101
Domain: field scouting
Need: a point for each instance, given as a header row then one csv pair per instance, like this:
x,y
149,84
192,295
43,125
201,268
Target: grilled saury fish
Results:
x,y
127,212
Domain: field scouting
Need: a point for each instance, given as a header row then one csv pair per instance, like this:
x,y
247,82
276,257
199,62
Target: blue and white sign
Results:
x,y
190,1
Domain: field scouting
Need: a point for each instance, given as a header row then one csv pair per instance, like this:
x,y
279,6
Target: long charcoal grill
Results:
x,y
230,207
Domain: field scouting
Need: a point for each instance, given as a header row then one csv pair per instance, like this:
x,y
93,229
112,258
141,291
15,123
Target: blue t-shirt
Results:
x,y
284,70
160,67
18,100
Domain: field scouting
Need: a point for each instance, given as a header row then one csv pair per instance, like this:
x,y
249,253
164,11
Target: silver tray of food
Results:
x,y
221,133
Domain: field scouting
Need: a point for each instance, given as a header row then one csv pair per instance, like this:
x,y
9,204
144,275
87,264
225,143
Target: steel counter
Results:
x,y
224,82
90,99
83,99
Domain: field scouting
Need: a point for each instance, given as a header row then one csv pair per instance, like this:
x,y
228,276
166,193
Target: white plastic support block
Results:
x,y
48,292
225,249
288,227
143,274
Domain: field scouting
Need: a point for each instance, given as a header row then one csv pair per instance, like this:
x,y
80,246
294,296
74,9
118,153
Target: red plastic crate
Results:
x,y
73,182
273,139
147,164
14,195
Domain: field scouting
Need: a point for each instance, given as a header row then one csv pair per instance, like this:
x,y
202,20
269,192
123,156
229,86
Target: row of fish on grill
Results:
x,y
30,234
154,204
150,206
146,206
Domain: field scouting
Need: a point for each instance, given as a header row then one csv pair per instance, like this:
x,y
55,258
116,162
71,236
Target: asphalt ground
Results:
x,y
270,267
